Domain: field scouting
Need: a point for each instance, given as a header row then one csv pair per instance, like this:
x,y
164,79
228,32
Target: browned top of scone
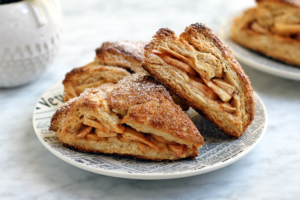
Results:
x,y
150,104
165,32
293,3
162,37
136,89
126,48
208,33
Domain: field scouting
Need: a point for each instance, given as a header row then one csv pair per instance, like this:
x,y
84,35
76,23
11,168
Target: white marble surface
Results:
x,y
29,171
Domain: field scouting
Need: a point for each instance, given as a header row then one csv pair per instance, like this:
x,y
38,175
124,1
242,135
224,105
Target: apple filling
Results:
x,y
285,30
94,130
74,91
209,79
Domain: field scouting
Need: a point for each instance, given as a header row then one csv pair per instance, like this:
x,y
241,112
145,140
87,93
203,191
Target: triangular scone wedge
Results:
x,y
136,117
201,70
91,75
126,54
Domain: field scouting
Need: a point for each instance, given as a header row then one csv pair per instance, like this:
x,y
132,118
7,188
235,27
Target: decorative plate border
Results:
x,y
256,60
219,150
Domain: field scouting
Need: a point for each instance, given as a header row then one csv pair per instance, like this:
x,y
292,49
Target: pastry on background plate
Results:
x,y
201,70
135,117
271,28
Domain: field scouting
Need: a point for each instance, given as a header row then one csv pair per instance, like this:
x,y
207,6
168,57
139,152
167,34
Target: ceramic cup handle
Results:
x,y
39,7
38,12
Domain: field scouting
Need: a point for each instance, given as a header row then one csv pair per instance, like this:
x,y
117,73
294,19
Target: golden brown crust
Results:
x,y
55,122
266,38
93,105
178,82
293,3
126,54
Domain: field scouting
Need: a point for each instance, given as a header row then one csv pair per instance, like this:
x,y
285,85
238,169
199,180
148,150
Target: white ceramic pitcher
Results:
x,y
30,33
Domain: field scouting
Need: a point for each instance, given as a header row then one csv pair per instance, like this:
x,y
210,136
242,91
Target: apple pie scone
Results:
x,y
135,117
201,70
271,28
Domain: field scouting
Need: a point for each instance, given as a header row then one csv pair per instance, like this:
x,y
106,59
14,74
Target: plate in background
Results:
x,y
217,152
256,60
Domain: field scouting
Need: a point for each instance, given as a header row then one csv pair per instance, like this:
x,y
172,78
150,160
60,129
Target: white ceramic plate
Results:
x,y
256,60
219,150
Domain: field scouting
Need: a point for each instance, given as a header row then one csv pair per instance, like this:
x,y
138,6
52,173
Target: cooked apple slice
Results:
x,y
221,93
101,133
228,107
224,85
177,63
84,131
92,136
208,92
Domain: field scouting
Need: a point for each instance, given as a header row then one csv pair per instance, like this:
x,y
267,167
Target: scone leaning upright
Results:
x,y
271,28
200,69
136,117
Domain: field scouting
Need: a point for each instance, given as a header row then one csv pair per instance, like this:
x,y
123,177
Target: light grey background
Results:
x,y
29,171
